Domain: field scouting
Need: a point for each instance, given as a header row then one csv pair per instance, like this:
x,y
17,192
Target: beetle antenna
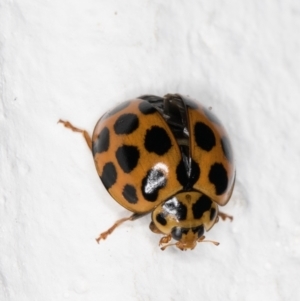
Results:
x,y
201,239
164,247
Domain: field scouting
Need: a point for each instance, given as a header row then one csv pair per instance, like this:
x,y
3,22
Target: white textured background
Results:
x,y
76,59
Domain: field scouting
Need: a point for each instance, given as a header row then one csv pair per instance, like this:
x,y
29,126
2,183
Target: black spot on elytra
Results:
x,y
102,143
157,140
226,147
151,183
182,176
218,177
126,124
204,136
175,208
202,204
199,230
128,157
211,116
146,108
129,193
161,219
117,109
212,213
181,211
109,175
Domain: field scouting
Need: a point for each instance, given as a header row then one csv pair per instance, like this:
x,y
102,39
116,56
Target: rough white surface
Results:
x,y
76,59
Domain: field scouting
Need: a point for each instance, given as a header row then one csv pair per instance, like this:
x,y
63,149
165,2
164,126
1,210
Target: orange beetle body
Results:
x,y
168,156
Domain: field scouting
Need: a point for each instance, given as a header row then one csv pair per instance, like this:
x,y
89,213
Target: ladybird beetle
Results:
x,y
167,156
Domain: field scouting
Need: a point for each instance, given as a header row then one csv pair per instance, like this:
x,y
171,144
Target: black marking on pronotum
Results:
x,y
175,208
161,219
202,205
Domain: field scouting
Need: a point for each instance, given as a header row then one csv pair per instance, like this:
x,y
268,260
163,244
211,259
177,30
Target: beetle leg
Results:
x,y
165,239
117,224
85,134
223,216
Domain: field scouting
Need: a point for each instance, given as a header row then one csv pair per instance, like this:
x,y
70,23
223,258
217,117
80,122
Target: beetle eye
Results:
x,y
199,230
176,233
